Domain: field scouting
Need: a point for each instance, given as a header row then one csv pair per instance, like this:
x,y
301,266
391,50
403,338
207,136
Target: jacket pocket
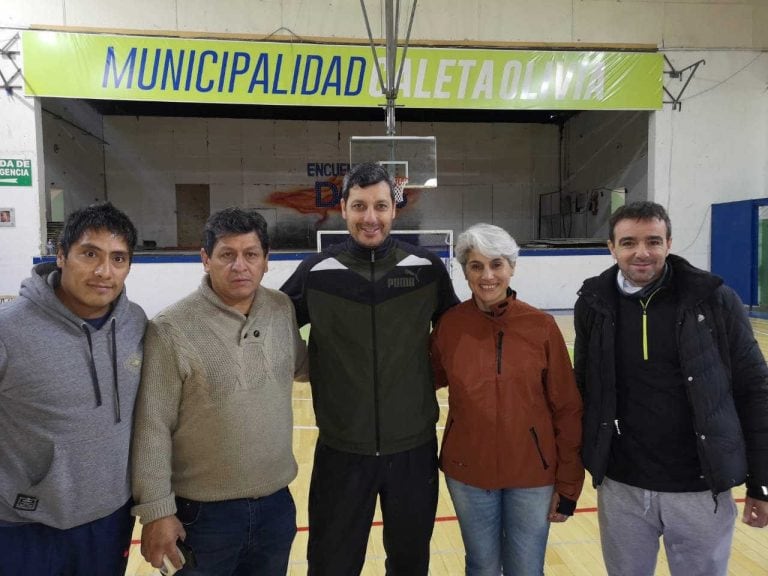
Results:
x,y
535,437
87,479
455,448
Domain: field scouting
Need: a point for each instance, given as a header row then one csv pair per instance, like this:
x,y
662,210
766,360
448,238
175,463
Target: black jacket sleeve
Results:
x,y
749,377
446,295
295,288
581,343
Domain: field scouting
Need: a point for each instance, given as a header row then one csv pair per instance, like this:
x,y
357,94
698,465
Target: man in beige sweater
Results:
x,y
211,454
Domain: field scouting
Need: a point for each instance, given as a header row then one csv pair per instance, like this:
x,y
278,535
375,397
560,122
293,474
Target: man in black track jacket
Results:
x,y
675,404
370,301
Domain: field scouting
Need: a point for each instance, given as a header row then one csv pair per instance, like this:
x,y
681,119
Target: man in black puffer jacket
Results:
x,y
675,395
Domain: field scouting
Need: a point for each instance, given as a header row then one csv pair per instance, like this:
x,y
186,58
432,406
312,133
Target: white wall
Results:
x,y
73,146
20,138
548,282
714,148
665,23
486,172
603,151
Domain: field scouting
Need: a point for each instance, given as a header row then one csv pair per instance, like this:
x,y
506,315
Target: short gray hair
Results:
x,y
491,241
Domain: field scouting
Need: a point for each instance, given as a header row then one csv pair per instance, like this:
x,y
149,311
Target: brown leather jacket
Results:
x,y
514,417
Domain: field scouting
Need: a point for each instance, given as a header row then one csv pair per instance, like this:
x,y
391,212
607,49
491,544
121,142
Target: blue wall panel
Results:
x,y
733,244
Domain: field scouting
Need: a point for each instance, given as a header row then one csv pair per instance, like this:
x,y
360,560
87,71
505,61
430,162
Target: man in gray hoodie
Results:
x,y
70,362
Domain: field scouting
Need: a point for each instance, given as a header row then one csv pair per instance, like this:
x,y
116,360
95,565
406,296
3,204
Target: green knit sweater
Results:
x,y
213,416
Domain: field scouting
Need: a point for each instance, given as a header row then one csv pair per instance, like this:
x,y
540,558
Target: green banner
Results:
x,y
239,72
15,172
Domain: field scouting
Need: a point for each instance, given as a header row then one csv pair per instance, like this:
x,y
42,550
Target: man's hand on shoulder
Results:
x,y
755,512
158,539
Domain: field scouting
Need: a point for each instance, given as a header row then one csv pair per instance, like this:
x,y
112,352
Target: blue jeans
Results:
x,y
243,537
502,529
98,548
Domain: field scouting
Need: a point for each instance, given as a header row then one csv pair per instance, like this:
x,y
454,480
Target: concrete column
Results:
x,y
20,139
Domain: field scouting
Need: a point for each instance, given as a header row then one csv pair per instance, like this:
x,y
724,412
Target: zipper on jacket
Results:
x,y
701,439
498,351
645,322
375,356
616,425
538,447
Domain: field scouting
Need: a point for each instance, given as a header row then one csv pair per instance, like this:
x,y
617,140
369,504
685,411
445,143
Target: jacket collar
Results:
x,y
207,292
500,307
364,252
691,284
664,281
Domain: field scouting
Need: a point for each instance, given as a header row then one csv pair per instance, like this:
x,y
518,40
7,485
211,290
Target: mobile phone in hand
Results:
x,y
186,554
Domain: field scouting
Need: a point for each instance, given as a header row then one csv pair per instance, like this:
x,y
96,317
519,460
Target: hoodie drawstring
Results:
x,y
92,366
114,372
94,375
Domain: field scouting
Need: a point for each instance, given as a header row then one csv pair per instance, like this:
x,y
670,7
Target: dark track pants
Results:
x,y
342,502
98,548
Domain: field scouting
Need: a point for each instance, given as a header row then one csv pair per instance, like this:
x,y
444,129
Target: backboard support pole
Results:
x,y
394,71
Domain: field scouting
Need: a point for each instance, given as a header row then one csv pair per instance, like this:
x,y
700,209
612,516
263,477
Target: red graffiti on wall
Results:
x,y
319,202
310,200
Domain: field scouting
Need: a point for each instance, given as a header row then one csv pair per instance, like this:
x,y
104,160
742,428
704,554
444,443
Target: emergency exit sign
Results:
x,y
15,172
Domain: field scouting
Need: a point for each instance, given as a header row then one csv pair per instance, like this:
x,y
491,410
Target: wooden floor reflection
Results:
x,y
574,547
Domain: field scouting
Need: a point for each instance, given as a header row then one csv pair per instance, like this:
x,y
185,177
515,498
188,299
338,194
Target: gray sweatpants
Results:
x,y
697,540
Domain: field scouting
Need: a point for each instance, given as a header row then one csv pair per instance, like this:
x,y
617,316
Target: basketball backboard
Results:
x,y
411,157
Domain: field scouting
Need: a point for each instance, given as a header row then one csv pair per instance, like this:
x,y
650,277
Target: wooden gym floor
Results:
x,y
574,547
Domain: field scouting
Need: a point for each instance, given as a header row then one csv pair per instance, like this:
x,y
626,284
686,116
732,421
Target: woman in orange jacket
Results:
x,y
511,446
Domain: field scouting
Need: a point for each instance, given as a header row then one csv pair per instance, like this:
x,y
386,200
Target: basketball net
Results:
x,y
399,184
